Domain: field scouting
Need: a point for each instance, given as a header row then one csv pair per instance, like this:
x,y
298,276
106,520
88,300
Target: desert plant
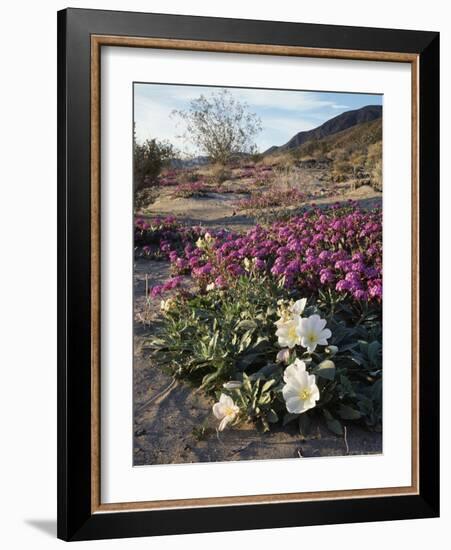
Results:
x,y
376,176
149,158
287,176
220,174
220,126
237,343
374,165
145,196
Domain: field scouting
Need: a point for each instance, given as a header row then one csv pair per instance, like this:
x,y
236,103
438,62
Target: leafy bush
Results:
x,y
374,165
226,343
220,126
220,174
211,337
145,197
148,160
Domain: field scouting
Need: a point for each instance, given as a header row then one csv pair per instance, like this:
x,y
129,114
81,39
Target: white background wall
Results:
x,y
28,270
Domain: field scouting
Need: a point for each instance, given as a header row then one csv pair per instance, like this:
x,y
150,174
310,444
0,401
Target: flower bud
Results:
x,y
283,356
232,385
332,350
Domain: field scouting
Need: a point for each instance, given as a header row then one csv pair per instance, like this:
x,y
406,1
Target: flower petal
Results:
x,y
298,307
218,410
314,320
290,391
294,405
224,423
226,400
293,370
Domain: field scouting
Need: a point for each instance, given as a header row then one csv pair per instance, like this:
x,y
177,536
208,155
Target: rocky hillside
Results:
x,y
331,127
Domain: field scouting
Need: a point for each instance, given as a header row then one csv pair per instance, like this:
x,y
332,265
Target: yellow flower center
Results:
x,y
311,336
292,334
304,394
229,411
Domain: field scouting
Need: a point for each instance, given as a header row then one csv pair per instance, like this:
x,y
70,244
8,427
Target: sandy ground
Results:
x,y
219,209
214,209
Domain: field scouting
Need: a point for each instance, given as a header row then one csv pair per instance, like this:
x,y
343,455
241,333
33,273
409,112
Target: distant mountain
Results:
x,y
332,126
189,163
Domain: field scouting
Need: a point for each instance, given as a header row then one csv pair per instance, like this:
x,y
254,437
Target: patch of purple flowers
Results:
x,y
338,248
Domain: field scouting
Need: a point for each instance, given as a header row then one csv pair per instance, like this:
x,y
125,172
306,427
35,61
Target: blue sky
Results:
x,y
283,113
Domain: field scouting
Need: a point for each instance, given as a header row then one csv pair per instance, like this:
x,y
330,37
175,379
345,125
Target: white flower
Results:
x,y
298,307
283,356
200,243
232,385
300,390
312,332
293,370
288,333
167,305
225,411
208,238
210,286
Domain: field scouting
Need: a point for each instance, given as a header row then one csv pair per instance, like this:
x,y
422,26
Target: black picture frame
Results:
x,y
76,521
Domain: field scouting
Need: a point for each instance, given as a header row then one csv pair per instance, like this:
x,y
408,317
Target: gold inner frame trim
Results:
x,y
97,41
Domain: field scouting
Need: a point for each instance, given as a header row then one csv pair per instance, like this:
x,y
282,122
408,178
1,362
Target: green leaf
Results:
x,y
335,426
264,399
157,342
247,324
332,423
272,416
268,385
304,425
209,378
373,351
289,417
246,360
348,413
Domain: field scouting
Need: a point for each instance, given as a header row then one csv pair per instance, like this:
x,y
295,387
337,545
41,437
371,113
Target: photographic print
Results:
x,y
257,274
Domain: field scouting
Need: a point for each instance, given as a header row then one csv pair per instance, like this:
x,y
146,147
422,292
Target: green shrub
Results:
x,y
220,174
228,336
148,160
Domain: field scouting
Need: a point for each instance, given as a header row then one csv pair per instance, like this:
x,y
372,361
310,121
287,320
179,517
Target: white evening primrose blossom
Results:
x,y
283,356
167,305
210,286
288,333
208,238
225,410
298,307
312,332
300,390
293,370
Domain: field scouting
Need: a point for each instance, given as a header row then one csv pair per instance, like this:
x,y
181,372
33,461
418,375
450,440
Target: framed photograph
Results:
x,y
248,274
